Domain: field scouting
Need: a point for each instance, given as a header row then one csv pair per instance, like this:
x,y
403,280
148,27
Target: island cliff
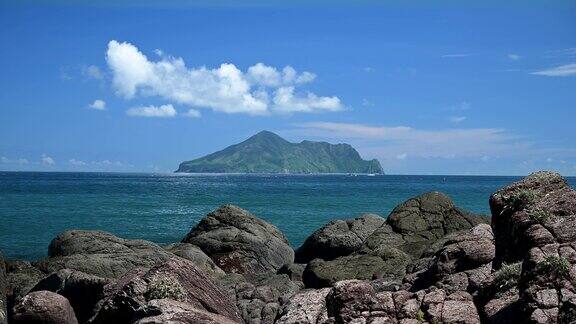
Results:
x,y
267,152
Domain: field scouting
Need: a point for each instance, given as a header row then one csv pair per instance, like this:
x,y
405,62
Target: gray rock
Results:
x,y
239,242
355,301
307,306
294,271
160,311
534,221
3,289
81,289
177,279
193,253
385,262
463,262
338,238
259,296
424,219
539,198
100,253
43,307
21,277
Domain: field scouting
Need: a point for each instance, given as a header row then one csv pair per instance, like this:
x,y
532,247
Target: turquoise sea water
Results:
x,y
35,207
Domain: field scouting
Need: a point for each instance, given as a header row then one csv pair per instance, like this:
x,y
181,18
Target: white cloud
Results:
x,y
286,101
225,89
462,106
47,160
193,113
457,119
514,57
98,104
457,55
402,156
392,142
164,111
93,72
559,71
367,103
6,160
368,69
75,162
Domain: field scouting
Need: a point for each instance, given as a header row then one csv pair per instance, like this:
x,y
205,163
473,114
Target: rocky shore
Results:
x,y
427,262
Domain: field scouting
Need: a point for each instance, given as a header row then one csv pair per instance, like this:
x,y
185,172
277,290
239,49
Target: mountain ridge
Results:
x,y
266,152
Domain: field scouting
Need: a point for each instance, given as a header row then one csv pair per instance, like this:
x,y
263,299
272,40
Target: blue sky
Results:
x,y
427,89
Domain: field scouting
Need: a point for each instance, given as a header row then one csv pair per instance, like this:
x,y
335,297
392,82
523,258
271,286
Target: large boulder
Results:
x,y
461,263
3,288
239,242
338,238
176,279
193,253
385,262
534,221
100,253
43,307
307,306
422,220
81,289
538,209
160,311
259,296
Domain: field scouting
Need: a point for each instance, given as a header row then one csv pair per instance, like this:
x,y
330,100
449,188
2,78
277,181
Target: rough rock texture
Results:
x,y
160,311
259,296
534,220
536,210
462,263
385,262
294,271
81,289
307,306
21,277
356,301
193,253
100,253
176,279
43,307
338,238
422,220
239,242
3,288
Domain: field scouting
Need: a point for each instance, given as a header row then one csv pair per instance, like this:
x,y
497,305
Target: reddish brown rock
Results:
x,y
43,307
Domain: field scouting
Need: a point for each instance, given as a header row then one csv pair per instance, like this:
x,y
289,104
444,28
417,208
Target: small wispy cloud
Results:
x,y
368,69
77,163
514,57
367,103
20,161
558,71
164,111
562,53
457,55
402,156
47,160
461,106
457,119
93,72
193,113
98,104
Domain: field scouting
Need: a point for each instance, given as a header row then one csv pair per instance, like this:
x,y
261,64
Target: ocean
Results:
x,y
35,207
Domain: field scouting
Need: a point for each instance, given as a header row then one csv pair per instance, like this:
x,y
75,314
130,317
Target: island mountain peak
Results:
x,y
266,152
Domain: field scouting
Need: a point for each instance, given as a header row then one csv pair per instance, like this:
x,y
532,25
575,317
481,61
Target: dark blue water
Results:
x,y
35,207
